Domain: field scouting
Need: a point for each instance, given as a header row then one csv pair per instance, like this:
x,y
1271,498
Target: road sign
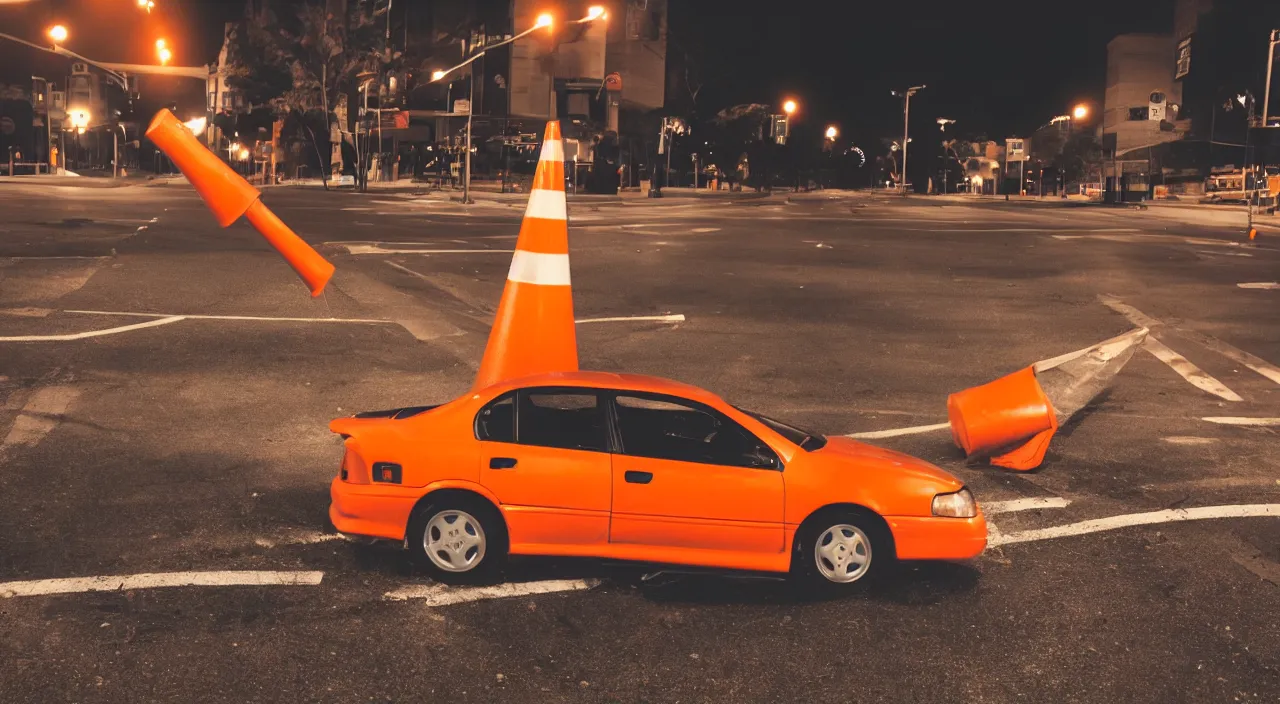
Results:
x,y
1015,149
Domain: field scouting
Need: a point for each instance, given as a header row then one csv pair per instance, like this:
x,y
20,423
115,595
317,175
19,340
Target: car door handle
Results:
x,y
502,462
638,477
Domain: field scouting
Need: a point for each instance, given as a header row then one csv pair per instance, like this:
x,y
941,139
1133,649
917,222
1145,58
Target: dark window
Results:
x,y
496,422
671,429
1139,113
573,420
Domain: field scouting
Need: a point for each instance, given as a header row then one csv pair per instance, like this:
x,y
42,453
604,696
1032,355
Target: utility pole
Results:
x,y
906,127
1271,60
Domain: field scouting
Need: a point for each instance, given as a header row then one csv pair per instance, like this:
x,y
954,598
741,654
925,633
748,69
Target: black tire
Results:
x,y
808,575
488,568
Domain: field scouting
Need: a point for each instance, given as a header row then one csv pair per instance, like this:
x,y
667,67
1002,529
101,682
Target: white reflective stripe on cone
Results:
x,y
538,268
552,150
546,205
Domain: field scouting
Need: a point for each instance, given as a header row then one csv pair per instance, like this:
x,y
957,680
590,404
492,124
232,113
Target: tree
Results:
x,y
304,60
1080,155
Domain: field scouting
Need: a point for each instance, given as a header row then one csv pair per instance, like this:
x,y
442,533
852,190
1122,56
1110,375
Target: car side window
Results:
x,y
496,422
671,429
574,420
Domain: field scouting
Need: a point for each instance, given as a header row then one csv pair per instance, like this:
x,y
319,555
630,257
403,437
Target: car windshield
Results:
x,y
807,440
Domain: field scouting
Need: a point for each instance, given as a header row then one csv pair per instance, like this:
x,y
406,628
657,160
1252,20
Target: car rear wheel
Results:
x,y
841,550
458,539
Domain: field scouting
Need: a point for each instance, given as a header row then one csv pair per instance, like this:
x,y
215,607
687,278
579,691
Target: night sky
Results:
x,y
999,67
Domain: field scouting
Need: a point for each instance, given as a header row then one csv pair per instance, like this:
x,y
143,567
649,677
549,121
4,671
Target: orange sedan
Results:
x,y
632,467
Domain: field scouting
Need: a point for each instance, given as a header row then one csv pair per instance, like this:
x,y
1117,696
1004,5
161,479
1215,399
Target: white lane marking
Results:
x,y
189,316
39,416
441,595
1262,285
1224,254
677,318
376,249
539,268
93,333
1237,420
546,205
1136,519
992,508
1236,354
46,258
894,432
1189,371
552,150
1188,440
1134,315
703,230
156,580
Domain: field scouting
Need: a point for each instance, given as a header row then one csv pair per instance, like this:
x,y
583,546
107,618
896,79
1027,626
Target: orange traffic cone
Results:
x,y
534,331
1011,415
229,196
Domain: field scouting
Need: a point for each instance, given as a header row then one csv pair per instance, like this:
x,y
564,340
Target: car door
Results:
x,y
544,453
688,476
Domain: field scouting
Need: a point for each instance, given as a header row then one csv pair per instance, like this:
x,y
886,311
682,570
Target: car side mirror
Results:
x,y
762,457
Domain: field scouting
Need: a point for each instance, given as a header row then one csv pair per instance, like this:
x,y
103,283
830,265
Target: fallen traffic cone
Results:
x,y
229,196
1010,414
1253,233
534,331
1013,418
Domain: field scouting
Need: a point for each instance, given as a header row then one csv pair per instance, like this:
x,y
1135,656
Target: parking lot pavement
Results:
x,y
164,452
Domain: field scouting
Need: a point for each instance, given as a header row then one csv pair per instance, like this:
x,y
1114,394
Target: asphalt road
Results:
x,y
172,444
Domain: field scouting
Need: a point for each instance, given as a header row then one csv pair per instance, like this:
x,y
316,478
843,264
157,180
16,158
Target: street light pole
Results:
x,y
466,176
906,128
1271,60
595,12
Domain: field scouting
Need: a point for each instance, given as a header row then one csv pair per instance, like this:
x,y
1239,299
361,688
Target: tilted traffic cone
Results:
x,y
229,196
1013,418
1010,415
534,331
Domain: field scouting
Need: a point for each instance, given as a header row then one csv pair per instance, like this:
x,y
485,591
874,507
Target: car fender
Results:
x,y
462,485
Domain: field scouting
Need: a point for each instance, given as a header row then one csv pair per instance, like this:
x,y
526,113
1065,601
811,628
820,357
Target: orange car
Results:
x,y
638,468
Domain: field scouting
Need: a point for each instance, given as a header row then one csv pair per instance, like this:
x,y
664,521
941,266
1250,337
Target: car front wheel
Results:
x,y
840,550
458,539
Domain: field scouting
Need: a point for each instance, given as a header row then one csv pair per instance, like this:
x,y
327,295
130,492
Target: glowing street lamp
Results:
x,y
437,75
164,54
789,107
159,44
544,20
832,132
146,5
594,12
1080,111
58,33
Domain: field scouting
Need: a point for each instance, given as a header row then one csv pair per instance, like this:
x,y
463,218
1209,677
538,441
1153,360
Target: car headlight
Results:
x,y
959,504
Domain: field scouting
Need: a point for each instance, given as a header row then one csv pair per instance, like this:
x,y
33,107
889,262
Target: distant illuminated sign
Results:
x,y
1184,59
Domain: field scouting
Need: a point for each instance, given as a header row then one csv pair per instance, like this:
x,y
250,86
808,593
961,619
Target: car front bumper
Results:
x,y
375,510
938,538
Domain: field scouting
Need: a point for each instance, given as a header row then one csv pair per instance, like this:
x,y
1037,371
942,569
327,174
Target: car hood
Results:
x,y
865,456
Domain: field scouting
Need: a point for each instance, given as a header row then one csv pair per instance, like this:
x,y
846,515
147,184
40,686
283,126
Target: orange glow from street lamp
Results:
x,y
437,75
595,12
832,131
544,20
1080,111
789,107
58,33
159,44
164,55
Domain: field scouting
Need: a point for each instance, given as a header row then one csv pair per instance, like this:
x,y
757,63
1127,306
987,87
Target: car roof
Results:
x,y
613,380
